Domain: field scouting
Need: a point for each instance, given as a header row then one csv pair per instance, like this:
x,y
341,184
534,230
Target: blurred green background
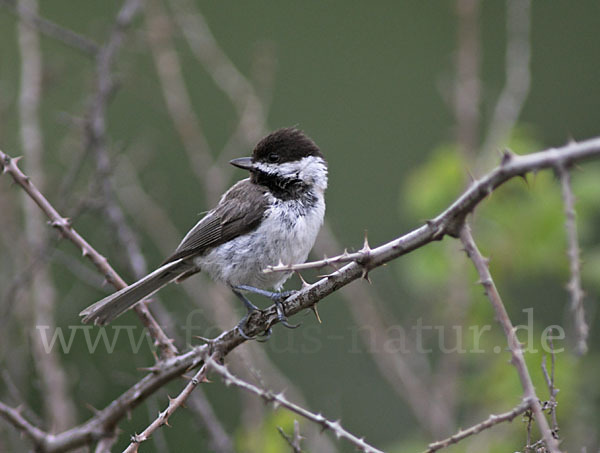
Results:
x,y
373,84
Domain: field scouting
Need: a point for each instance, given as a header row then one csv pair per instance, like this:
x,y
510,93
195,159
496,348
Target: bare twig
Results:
x,y
63,225
574,285
59,411
446,223
552,390
174,404
227,77
294,441
487,423
280,400
361,256
518,73
467,84
514,345
96,136
13,415
177,98
52,29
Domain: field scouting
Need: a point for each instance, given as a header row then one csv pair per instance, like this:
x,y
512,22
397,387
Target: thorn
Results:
x,y
314,309
365,275
206,340
89,406
366,247
150,369
15,160
507,156
524,178
304,284
472,177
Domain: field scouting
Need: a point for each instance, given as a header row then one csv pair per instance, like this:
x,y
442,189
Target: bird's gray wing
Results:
x,y
239,211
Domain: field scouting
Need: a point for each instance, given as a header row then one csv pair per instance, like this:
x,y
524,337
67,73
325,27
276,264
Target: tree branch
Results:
x,y
514,345
574,285
63,225
446,223
174,404
280,400
52,29
487,423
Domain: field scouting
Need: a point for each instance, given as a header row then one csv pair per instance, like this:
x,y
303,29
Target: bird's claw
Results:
x,y
282,317
261,337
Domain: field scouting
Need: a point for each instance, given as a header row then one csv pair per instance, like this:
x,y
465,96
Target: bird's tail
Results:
x,y
107,309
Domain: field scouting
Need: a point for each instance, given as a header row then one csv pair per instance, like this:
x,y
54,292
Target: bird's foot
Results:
x,y
276,296
240,326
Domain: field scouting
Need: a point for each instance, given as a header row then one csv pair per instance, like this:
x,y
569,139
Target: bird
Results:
x,y
270,218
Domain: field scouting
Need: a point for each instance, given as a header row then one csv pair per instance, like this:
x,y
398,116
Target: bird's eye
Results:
x,y
273,157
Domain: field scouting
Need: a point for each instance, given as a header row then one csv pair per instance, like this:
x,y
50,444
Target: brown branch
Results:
x,y
361,256
14,417
518,73
467,86
97,137
52,29
475,429
552,390
280,400
174,404
293,442
58,407
446,223
239,90
514,345
63,225
574,285
177,98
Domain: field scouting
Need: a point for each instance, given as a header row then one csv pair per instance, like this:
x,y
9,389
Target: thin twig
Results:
x,y
292,441
97,141
13,415
514,345
239,90
52,29
177,98
278,399
574,285
63,225
552,390
446,223
59,410
467,86
518,73
174,404
487,423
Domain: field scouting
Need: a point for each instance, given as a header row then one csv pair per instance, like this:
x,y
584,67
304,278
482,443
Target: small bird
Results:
x,y
270,218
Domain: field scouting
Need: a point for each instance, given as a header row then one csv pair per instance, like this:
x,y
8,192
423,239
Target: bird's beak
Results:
x,y
244,163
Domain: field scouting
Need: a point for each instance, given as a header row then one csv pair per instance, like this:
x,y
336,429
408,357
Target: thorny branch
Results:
x,y
549,377
278,399
449,222
174,404
574,285
97,141
487,423
514,345
294,441
52,29
63,225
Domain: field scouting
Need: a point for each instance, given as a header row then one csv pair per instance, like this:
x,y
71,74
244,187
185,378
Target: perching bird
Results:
x,y
272,217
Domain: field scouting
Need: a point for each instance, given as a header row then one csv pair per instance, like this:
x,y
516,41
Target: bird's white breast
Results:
x,y
286,234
